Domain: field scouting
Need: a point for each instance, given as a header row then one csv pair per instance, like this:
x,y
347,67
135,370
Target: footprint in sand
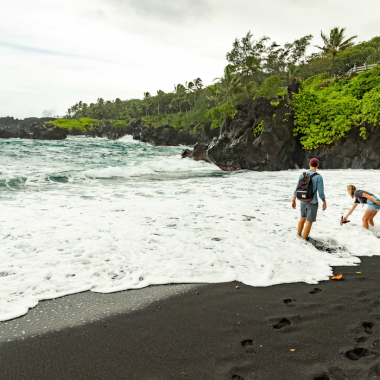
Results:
x,y
357,353
283,323
248,346
368,326
315,291
290,303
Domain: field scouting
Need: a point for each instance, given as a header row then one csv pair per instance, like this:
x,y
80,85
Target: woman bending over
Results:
x,y
364,197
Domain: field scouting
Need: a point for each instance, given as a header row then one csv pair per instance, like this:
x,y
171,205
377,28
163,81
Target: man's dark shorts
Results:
x,y
309,211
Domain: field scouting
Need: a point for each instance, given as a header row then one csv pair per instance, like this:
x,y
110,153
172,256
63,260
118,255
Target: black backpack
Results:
x,y
305,191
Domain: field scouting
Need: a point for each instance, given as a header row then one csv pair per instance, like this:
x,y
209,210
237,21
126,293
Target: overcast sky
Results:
x,y
55,53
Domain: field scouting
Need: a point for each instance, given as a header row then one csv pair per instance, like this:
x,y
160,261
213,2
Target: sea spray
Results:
x,y
94,214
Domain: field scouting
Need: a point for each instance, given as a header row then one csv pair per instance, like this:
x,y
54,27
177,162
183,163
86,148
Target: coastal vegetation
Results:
x,y
326,109
330,102
83,124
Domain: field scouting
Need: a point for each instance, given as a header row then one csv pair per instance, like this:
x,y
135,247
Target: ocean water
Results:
x,y
100,215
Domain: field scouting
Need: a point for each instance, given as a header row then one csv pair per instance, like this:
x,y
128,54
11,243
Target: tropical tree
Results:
x,y
147,102
198,84
133,109
160,94
179,95
250,66
187,101
190,89
241,49
335,43
214,94
229,84
84,109
250,89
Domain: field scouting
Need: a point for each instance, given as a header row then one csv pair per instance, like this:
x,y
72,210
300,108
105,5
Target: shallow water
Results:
x,y
94,214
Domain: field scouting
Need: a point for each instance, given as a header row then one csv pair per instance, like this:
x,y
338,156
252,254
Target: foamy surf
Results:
x,y
127,215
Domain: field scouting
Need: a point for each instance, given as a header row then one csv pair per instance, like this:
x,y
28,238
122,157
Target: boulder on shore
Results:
x,y
198,154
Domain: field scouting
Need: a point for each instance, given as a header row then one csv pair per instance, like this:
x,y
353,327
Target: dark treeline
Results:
x,y
256,67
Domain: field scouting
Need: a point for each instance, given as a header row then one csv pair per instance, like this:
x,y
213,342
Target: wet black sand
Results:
x,y
285,332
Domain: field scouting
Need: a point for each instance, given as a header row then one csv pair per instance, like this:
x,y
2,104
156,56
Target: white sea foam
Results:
x,y
107,216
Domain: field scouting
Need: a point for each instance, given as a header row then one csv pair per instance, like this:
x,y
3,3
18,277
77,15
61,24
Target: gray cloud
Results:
x,y
31,49
174,11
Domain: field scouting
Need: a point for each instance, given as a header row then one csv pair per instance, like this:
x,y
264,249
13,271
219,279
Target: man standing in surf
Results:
x,y
309,184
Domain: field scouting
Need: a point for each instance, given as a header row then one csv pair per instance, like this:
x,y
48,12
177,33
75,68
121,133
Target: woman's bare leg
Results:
x,y
368,217
371,222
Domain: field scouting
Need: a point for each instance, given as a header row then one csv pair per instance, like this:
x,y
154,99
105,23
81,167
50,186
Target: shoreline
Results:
x,y
214,331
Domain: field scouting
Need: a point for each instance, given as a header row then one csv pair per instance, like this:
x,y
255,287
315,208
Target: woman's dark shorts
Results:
x,y
309,211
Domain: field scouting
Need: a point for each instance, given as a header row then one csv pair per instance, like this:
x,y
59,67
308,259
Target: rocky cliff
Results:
x,y
30,128
260,137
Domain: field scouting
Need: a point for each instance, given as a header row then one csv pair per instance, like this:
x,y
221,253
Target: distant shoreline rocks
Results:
x,y
30,128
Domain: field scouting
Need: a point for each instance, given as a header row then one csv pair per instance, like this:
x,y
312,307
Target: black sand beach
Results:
x,y
285,332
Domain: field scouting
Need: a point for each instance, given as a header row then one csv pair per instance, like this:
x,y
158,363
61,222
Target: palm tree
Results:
x,y
84,109
335,43
249,89
186,100
190,89
147,101
100,108
229,84
214,94
75,110
160,94
179,94
132,109
250,66
117,107
198,84
198,87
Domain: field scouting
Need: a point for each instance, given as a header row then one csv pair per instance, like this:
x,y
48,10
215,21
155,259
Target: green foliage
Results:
x,y
120,124
364,82
217,115
326,110
371,107
270,87
83,124
89,121
259,128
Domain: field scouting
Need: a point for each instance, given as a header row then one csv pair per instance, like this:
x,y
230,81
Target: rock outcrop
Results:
x,y
350,152
31,128
241,144
199,153
159,136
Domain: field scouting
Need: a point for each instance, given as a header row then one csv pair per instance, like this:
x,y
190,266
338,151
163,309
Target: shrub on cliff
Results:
x,y
216,116
120,124
82,124
326,109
